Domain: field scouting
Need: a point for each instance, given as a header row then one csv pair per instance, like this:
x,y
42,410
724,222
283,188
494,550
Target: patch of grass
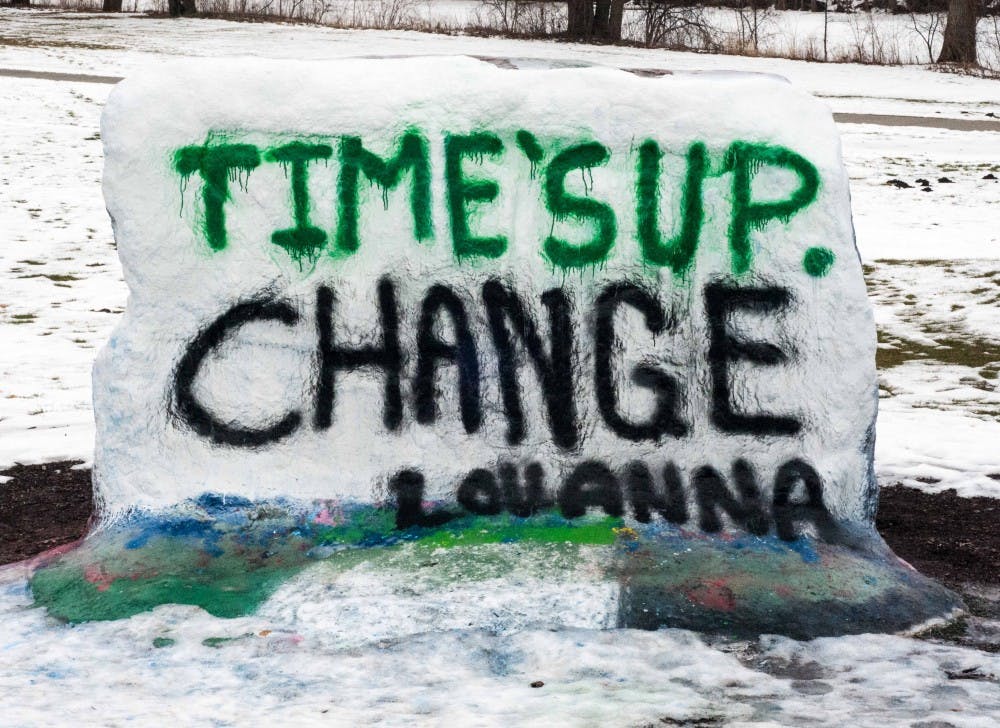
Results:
x,y
966,350
922,262
953,167
26,42
950,343
953,631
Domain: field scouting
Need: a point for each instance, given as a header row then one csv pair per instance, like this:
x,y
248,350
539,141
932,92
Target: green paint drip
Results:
x,y
462,190
563,205
478,531
528,144
304,241
216,164
818,261
161,642
412,155
745,159
678,251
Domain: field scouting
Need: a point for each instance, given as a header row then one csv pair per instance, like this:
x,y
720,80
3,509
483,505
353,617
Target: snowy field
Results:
x,y
875,36
934,277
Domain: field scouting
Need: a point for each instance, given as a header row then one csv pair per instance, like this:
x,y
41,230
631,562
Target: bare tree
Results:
x,y
992,44
675,24
579,18
506,12
608,20
959,45
596,20
927,26
752,16
176,8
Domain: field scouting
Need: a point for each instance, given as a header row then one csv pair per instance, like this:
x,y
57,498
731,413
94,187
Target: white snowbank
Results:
x,y
288,666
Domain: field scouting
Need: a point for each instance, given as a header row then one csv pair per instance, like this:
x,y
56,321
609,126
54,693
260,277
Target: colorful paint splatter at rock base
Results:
x,y
449,323
229,556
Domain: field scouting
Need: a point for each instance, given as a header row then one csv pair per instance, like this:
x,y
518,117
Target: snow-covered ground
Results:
x,y
288,666
872,36
935,283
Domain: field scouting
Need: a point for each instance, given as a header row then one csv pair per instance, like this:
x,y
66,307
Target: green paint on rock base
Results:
x,y
229,558
229,565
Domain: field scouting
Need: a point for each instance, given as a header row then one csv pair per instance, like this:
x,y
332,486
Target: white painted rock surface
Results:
x,y
571,182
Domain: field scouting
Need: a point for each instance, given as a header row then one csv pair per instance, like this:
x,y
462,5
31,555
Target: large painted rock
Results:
x,y
608,328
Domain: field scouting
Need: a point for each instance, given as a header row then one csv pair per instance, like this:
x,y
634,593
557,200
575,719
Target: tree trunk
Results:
x,y
181,7
959,44
111,6
579,18
602,18
615,20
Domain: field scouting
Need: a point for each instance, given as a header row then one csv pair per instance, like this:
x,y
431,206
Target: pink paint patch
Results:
x,y
330,516
324,517
712,594
94,574
783,591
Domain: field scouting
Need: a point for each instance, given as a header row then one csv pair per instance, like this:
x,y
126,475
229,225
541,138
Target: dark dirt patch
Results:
x,y
952,539
44,506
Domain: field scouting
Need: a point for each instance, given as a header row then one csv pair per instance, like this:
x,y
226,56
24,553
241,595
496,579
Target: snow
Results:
x,y
284,665
62,288
938,428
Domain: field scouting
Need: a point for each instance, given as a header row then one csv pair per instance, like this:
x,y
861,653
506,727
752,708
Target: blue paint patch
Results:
x,y
804,548
186,528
